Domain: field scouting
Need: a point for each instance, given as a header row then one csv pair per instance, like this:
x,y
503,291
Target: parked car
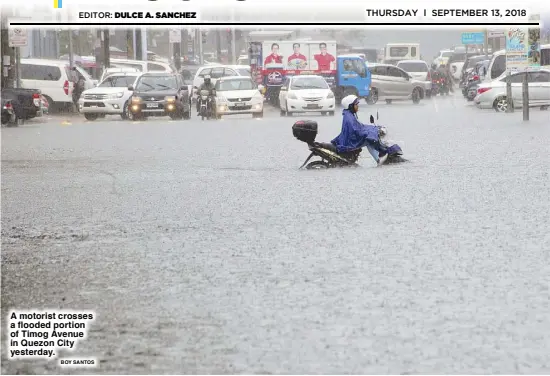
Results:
x,y
159,94
238,95
110,71
307,93
218,71
144,66
24,102
110,97
418,70
469,65
457,61
54,79
493,94
392,83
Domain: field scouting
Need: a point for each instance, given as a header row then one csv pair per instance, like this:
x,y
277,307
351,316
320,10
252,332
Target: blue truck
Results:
x,y
272,61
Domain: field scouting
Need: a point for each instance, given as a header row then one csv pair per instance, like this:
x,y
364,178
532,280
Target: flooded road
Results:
x,y
202,248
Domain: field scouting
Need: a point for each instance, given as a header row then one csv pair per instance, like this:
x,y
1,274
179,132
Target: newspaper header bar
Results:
x,y
246,14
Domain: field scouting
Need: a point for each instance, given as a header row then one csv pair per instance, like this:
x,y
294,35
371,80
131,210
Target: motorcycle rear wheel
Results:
x,y
317,165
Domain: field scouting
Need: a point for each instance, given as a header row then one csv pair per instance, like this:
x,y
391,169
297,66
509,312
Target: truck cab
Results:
x,y
352,77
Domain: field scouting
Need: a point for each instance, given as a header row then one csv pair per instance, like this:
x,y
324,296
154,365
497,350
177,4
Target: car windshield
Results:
x,y
309,83
118,81
413,67
243,72
149,83
228,85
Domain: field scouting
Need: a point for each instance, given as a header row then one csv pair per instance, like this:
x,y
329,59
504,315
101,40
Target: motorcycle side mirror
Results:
x,y
130,88
372,119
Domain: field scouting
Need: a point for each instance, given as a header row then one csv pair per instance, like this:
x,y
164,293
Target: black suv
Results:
x,y
160,94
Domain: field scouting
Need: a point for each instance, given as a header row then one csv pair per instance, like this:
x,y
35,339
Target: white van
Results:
x,y
497,66
143,66
395,52
53,78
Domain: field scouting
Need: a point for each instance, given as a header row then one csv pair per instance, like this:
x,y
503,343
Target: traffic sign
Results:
x,y
175,36
473,38
18,37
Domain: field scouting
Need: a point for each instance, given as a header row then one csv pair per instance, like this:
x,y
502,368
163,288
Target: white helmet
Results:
x,y
349,99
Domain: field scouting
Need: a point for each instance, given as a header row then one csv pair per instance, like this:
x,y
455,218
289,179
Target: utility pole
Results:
x,y
219,44
106,49
509,101
525,95
71,53
130,50
233,46
184,42
138,43
9,78
201,58
486,44
176,47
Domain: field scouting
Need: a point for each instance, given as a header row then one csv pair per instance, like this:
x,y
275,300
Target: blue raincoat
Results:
x,y
355,135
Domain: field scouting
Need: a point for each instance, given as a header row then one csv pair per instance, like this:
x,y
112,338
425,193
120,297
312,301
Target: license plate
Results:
x,y
312,106
152,105
239,104
93,106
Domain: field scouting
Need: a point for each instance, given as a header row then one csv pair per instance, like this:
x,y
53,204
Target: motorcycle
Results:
x,y
440,86
470,89
8,113
306,131
205,105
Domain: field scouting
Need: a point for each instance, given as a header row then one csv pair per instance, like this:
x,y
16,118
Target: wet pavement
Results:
x,y
203,249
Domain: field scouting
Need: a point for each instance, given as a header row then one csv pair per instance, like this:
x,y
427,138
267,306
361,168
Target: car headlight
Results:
x,y
292,96
330,95
136,100
170,99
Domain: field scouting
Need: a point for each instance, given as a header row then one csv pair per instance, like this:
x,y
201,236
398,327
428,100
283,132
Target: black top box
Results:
x,y
305,130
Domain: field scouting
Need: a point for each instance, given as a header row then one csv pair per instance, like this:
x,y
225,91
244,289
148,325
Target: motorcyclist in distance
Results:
x,y
206,85
445,73
355,135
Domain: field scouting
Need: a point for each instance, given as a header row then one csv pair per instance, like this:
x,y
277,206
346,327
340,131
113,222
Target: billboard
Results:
x,y
517,48
299,56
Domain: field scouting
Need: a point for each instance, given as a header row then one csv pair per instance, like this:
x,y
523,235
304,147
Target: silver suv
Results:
x,y
392,83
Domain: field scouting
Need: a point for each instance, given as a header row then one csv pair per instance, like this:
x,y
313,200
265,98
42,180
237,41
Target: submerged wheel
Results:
x,y
317,165
373,97
500,104
416,96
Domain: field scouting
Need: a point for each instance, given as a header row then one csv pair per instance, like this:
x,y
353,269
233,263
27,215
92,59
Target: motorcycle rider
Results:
x,y
445,73
355,135
206,85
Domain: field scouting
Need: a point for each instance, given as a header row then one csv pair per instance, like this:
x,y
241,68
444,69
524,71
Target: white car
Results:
x,y
418,70
110,71
54,79
443,57
218,71
238,95
110,97
306,93
493,94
